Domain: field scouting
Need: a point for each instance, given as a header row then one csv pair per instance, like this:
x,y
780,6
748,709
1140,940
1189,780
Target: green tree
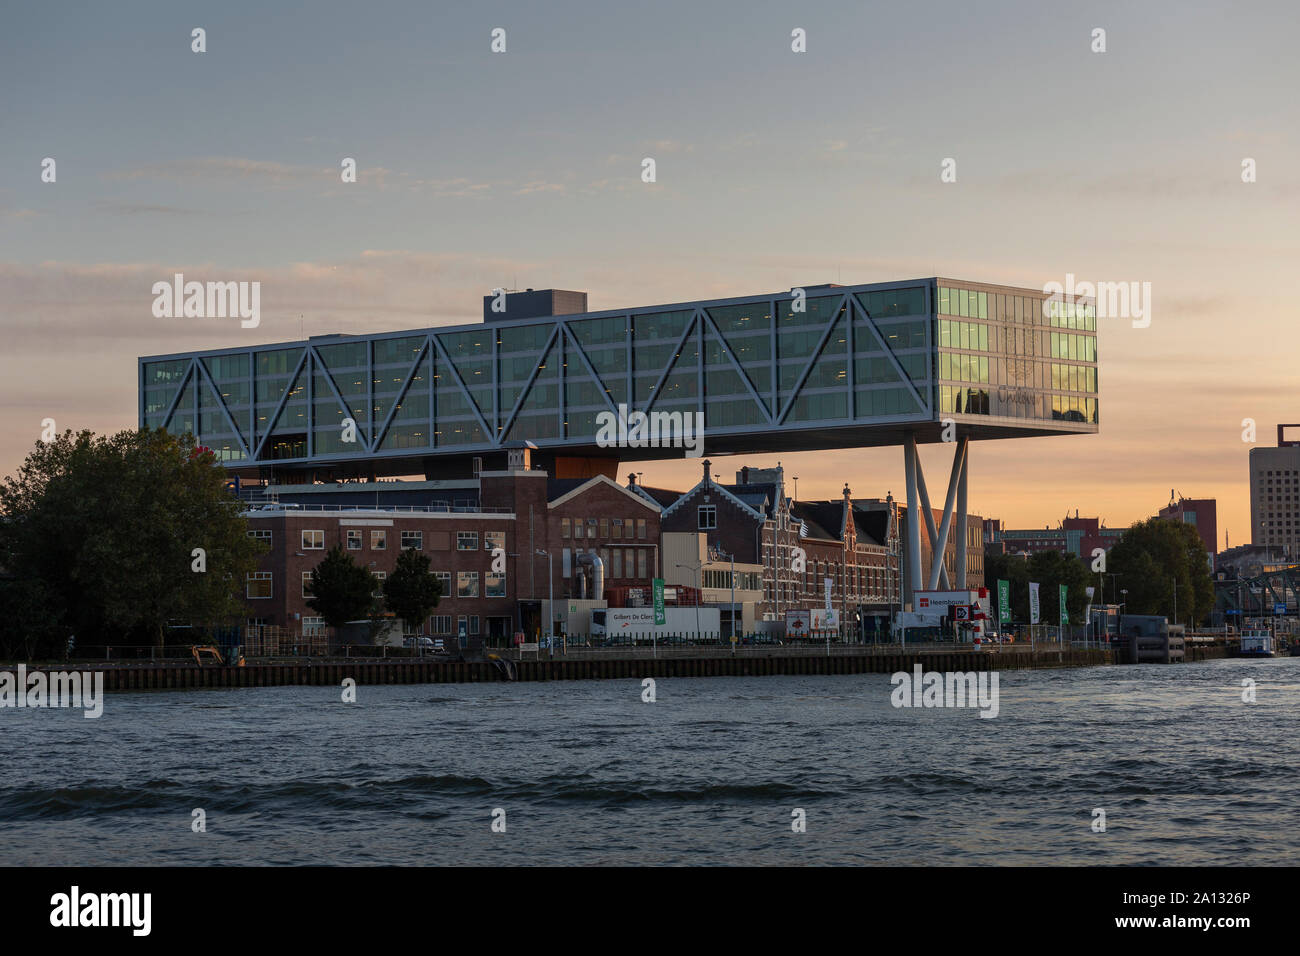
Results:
x,y
31,626
111,537
411,592
341,590
1050,569
1163,563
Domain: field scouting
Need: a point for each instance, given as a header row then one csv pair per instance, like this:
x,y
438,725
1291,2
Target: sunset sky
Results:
x,y
775,169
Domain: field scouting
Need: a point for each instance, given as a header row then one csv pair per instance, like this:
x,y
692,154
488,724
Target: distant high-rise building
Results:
x,y
1275,495
1080,537
1200,513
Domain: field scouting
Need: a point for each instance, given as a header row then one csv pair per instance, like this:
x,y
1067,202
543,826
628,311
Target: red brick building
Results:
x,y
797,545
1200,513
539,523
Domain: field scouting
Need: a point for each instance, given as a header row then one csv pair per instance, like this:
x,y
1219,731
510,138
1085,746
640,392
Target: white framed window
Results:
x,y
466,540
261,534
708,517
379,540
493,540
444,579
306,584
258,585
412,540
494,584
380,576
313,540
441,624
473,624
354,539
313,626
467,584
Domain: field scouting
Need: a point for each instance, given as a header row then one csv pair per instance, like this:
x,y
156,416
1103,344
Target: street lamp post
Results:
x,y
550,601
732,635
698,568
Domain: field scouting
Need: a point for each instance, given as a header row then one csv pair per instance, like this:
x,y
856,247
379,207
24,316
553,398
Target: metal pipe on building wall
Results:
x,y
584,561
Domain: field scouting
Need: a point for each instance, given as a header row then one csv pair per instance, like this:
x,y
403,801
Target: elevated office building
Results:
x,y
895,363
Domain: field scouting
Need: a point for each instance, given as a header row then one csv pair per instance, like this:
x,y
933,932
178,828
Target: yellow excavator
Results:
x,y
211,655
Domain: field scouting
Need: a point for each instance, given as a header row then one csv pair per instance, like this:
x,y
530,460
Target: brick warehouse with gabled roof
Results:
x,y
457,524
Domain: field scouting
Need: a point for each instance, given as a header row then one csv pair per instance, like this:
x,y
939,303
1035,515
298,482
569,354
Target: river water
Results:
x,y
710,773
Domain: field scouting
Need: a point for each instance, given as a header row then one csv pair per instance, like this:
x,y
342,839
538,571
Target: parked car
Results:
x,y
424,642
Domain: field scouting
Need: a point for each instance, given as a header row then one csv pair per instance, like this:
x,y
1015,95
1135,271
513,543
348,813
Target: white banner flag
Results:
x,y
1033,602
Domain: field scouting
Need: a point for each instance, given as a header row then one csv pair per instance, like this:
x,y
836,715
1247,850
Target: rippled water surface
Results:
x,y
587,773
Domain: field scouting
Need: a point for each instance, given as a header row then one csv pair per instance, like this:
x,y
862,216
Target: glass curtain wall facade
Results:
x,y
757,368
1017,356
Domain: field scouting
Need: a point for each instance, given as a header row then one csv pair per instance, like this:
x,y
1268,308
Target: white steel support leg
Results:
x,y
913,522
941,542
964,452
929,522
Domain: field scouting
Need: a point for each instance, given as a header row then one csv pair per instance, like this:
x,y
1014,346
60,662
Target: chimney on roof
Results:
x,y
507,305
707,465
744,475
631,480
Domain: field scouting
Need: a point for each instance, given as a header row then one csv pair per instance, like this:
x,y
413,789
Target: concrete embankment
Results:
x,y
321,672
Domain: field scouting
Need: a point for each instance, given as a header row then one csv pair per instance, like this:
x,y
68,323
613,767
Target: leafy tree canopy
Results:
x,y
1162,562
410,591
1050,569
341,590
98,536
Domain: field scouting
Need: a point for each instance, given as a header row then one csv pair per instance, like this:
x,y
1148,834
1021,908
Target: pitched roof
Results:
x,y
873,526
761,496
722,490
820,517
660,496
582,484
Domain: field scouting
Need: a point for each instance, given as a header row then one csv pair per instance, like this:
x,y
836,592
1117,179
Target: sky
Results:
x,y
774,169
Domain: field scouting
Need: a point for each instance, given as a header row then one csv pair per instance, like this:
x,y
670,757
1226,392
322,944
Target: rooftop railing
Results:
x,y
294,508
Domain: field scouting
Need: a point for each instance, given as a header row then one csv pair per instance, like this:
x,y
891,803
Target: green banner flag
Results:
x,y
1065,615
659,601
1004,601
